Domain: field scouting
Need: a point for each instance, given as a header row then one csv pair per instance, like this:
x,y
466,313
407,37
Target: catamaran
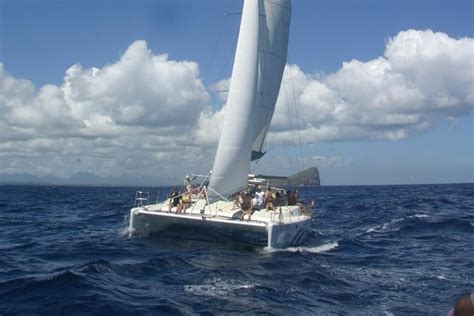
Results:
x,y
257,72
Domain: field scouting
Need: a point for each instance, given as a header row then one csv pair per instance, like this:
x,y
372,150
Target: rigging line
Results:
x,y
291,124
296,112
286,146
216,93
191,126
289,114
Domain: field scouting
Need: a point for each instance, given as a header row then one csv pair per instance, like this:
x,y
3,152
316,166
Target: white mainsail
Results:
x,y
274,33
232,161
260,59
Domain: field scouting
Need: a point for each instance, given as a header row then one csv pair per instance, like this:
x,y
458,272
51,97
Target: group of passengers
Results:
x,y
247,202
255,200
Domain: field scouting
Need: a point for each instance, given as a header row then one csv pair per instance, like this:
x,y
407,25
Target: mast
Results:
x,y
232,162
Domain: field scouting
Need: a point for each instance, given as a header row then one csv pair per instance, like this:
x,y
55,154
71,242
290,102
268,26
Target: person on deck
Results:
x,y
279,201
184,203
291,197
246,206
253,189
269,199
259,201
174,200
187,183
237,199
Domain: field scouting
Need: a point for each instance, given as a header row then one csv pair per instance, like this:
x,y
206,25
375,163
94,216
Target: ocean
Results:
x,y
373,250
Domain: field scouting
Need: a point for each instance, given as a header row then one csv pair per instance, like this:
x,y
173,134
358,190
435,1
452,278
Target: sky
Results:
x,y
374,92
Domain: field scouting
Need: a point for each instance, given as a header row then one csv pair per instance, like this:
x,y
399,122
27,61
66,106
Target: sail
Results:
x,y
273,44
232,162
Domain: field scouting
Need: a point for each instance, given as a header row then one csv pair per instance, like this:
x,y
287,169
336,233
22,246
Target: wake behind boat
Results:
x,y
259,63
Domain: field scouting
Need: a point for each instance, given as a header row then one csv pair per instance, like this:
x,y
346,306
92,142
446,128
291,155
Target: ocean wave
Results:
x,y
315,249
364,247
389,225
25,285
218,287
450,224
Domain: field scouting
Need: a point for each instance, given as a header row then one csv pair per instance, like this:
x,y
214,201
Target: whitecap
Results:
x,y
386,226
316,249
217,287
124,231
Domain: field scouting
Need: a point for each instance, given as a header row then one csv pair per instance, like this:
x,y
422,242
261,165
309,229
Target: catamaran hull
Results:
x,y
278,235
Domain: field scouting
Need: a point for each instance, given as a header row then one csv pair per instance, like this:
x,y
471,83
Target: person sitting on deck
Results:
x,y
253,189
237,199
308,210
291,197
184,203
278,199
174,200
269,199
246,206
259,200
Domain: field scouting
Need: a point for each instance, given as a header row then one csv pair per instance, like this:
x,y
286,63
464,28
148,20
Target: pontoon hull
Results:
x,y
278,235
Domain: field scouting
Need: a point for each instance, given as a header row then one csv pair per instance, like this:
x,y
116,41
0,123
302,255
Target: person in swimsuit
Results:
x,y
247,208
269,199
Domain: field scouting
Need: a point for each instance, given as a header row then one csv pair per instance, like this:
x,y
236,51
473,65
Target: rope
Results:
x,y
297,116
225,70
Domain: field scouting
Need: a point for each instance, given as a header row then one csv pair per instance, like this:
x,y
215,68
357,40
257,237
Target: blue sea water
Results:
x,y
374,250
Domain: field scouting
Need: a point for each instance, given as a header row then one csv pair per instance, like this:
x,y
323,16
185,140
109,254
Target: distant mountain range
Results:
x,y
309,177
80,178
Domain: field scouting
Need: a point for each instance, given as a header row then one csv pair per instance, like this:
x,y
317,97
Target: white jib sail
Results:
x,y
273,43
232,161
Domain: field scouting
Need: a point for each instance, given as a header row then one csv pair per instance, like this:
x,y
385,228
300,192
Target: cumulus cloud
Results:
x,y
134,115
423,77
141,90
141,105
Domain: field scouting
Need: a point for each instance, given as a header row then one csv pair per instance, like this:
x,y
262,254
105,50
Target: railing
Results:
x,y
141,199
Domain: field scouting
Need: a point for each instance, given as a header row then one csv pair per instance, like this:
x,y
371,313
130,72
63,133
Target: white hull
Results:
x,y
282,229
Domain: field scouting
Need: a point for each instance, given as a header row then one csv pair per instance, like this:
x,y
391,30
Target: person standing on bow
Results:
x,y
187,183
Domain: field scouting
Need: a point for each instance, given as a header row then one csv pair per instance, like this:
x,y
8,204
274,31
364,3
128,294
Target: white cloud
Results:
x,y
423,77
142,105
135,115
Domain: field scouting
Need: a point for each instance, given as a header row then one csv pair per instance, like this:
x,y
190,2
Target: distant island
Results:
x,y
306,178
